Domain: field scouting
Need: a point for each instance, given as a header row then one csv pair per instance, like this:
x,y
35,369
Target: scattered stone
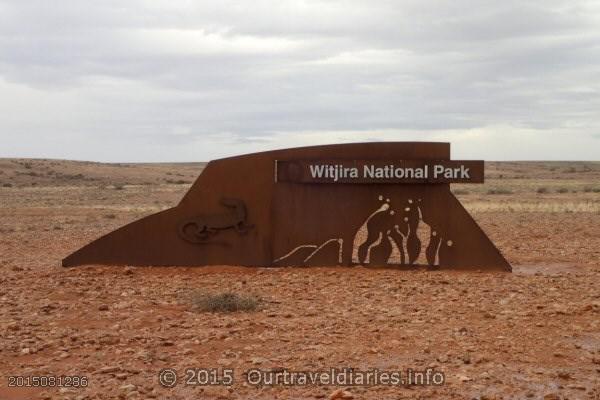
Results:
x,y
258,360
488,315
564,375
128,387
103,307
109,370
341,394
552,396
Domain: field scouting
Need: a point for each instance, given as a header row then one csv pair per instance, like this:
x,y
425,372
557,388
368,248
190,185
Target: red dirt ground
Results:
x,y
534,333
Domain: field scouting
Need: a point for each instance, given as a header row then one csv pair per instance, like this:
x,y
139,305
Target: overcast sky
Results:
x,y
183,80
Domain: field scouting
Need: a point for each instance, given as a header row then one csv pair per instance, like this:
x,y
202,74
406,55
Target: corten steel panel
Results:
x,y
237,214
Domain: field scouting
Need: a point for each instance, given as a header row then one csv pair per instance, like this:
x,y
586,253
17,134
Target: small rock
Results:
x,y
564,375
341,394
128,387
488,315
13,326
108,370
258,360
103,307
551,396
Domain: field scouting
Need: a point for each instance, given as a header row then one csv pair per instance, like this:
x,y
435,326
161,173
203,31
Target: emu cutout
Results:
x,y
375,204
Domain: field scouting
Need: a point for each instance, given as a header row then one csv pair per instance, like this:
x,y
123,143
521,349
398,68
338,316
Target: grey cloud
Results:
x,y
216,78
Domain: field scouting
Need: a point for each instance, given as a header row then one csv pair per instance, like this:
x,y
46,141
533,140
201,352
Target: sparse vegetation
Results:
x,y
224,302
563,190
7,185
110,216
542,190
500,191
460,191
589,189
119,187
177,182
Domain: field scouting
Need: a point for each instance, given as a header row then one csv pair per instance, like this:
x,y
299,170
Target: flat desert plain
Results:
x,y
533,333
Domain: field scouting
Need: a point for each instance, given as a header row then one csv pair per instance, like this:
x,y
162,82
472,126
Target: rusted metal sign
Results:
x,y
375,204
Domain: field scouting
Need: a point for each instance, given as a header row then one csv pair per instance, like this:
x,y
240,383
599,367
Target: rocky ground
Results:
x,y
534,333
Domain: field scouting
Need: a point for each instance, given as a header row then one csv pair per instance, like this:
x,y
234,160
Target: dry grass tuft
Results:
x,y
500,191
224,302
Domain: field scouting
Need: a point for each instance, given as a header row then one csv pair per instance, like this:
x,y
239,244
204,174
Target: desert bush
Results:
x,y
589,189
563,190
177,182
119,187
500,191
460,191
542,190
110,216
224,302
7,185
